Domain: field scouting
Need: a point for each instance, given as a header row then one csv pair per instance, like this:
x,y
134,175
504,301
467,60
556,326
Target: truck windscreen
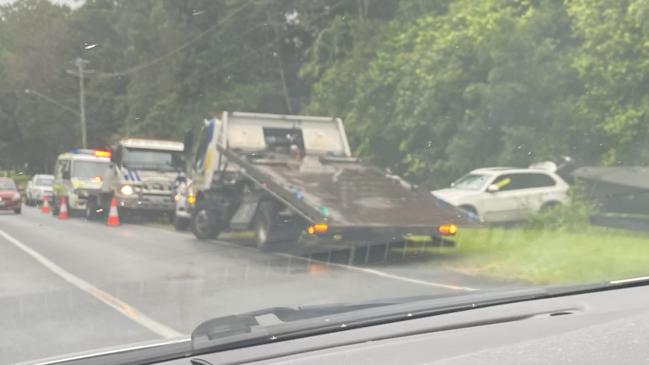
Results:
x,y
142,159
89,169
44,181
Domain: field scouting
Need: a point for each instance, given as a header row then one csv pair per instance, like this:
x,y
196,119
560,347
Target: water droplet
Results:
x,y
343,325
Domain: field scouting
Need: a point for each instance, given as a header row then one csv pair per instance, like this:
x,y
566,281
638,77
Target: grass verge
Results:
x,y
549,257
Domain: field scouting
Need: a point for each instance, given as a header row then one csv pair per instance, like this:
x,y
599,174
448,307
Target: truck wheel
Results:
x,y
204,224
54,207
263,225
91,210
181,224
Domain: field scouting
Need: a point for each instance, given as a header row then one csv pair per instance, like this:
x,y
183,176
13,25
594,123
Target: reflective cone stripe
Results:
x,y
45,208
63,212
113,216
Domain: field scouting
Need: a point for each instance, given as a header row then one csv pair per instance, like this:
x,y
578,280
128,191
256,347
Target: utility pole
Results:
x,y
82,102
80,73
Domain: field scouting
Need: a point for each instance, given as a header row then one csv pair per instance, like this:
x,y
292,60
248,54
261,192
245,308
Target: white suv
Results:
x,y
505,194
39,187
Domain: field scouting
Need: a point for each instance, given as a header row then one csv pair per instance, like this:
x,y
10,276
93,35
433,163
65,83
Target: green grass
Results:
x,y
548,257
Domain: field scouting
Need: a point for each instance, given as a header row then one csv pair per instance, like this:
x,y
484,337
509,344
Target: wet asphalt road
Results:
x,y
70,286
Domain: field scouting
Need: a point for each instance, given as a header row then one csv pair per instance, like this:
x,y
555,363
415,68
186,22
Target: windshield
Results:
x,y
289,153
89,169
152,159
44,181
471,182
7,185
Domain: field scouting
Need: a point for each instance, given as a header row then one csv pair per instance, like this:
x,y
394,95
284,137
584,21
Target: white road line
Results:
x,y
364,270
127,310
383,274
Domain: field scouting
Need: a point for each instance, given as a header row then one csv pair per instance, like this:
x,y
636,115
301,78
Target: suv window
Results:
x,y
540,180
523,181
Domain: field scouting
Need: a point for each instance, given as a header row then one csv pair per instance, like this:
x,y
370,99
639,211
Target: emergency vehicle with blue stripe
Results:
x,y
141,178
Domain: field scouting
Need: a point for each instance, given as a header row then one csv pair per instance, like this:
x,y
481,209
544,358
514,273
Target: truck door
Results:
x,y
202,158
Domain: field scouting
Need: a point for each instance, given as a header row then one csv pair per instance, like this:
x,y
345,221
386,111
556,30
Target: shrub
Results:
x,y
572,216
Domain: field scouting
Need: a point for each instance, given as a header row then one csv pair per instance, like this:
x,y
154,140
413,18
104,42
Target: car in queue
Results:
x,y
38,189
506,194
10,198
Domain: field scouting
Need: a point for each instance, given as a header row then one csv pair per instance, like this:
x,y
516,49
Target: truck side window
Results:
x,y
203,142
65,169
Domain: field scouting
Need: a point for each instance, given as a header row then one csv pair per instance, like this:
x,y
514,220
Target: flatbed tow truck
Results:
x,y
293,178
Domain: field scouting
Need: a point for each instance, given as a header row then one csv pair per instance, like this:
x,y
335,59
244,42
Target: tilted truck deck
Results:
x,y
293,177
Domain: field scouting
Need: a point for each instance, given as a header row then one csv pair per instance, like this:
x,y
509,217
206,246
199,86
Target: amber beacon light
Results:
x,y
318,228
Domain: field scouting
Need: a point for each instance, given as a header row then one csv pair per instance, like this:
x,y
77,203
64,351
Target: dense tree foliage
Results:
x,y
428,88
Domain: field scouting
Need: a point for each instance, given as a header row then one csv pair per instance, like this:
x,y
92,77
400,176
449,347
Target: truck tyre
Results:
x,y
91,210
181,224
204,223
54,206
263,225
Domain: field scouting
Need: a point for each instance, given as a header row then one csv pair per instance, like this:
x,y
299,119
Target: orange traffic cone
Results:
x,y
63,211
113,216
45,208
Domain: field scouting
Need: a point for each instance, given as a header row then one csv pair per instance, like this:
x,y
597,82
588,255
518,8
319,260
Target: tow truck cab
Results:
x,y
141,178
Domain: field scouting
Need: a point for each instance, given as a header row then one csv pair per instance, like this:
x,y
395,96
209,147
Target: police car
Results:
x,y
78,173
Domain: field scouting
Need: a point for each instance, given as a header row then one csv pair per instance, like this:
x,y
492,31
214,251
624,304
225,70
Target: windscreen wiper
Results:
x,y
283,323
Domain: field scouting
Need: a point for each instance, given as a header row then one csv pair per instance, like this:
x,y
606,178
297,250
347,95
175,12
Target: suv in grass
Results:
x,y
506,194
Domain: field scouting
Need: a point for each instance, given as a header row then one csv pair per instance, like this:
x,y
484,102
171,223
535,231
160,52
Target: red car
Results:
x,y
10,198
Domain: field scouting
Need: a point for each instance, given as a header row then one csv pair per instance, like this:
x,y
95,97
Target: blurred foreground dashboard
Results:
x,y
606,327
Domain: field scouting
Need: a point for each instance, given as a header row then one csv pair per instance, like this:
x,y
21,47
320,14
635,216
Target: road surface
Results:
x,y
71,286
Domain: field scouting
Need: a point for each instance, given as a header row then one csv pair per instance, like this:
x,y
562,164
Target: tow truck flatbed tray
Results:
x,y
348,194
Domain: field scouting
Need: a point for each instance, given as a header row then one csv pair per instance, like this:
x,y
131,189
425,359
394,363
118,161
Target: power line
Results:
x,y
176,50
272,42
257,50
